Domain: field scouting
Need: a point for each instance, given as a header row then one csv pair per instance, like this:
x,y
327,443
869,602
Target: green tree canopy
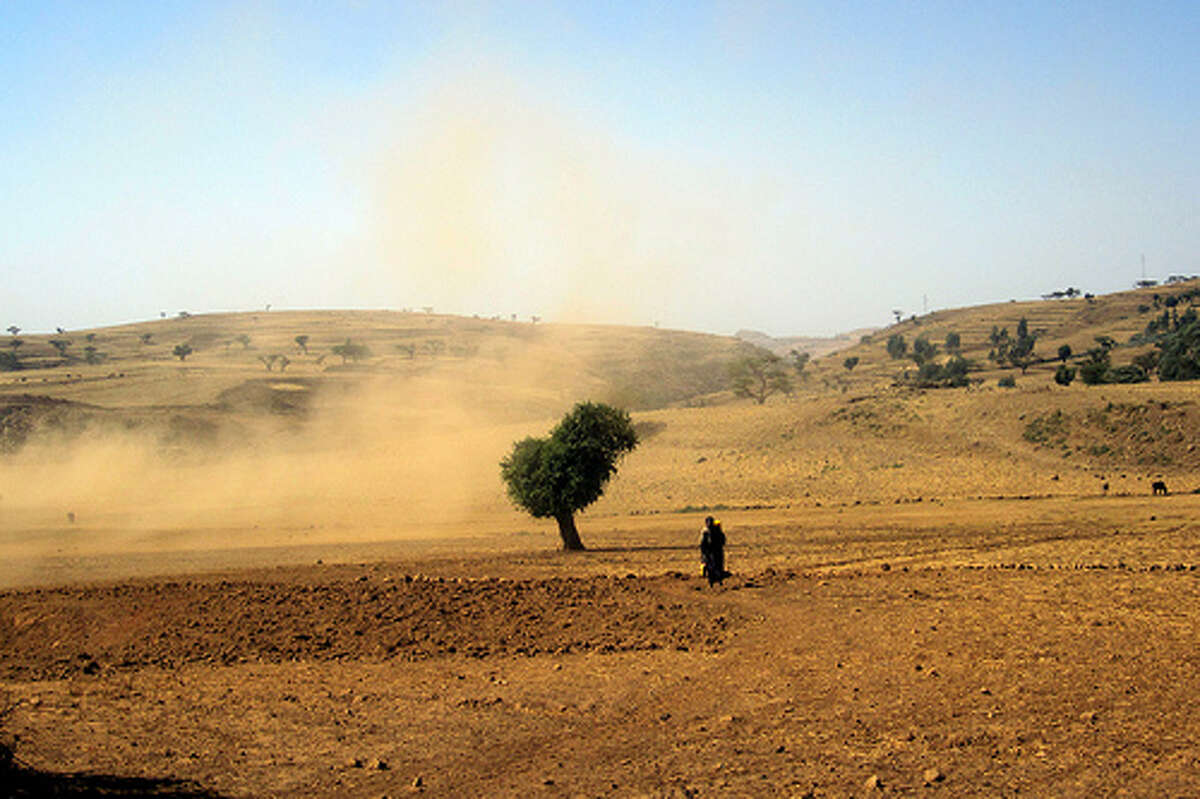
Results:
x,y
556,476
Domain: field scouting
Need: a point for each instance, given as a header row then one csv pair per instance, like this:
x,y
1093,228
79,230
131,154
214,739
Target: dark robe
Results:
x,y
712,553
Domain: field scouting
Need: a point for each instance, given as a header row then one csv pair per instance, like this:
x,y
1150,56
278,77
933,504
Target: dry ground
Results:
x,y
962,648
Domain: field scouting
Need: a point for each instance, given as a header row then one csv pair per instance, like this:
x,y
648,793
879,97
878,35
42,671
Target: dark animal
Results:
x,y
1159,487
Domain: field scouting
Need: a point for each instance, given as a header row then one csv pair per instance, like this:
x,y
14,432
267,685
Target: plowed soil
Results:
x,y
1056,655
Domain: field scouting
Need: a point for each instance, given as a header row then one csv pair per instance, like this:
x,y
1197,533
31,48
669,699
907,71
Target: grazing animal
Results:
x,y
1159,487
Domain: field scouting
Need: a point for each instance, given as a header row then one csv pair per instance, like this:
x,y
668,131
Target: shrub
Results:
x,y
1008,381
1130,373
1064,375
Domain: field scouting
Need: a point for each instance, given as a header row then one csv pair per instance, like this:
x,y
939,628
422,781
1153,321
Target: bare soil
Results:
x,y
869,651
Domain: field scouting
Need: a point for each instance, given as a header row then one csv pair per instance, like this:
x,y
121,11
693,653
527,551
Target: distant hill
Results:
x,y
277,362
814,346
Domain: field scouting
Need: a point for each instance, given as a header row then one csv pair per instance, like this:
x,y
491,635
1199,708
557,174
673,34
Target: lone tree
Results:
x,y
302,342
556,476
758,376
850,363
181,351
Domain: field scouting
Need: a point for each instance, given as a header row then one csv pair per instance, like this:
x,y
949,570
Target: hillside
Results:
x,y
526,369
1075,322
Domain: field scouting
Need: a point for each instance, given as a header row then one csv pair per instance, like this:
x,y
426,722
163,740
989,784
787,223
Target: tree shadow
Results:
x,y
20,782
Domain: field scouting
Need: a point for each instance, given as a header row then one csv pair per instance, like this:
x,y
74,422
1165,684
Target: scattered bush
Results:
x,y
1129,373
1064,375
1008,381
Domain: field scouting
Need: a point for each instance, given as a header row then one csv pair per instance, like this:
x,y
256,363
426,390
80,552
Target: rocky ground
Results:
x,y
1050,669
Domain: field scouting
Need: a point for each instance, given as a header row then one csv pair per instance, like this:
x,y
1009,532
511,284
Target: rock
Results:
x,y
418,782
932,775
1089,717
873,783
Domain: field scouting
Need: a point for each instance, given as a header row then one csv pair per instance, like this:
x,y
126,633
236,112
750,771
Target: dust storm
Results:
x,y
375,459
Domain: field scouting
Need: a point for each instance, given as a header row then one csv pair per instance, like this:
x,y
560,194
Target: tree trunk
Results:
x,y
570,536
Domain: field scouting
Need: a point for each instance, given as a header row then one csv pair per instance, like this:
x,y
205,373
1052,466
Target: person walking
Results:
x,y
712,551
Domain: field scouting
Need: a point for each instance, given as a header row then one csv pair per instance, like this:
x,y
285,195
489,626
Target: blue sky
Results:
x,y
797,168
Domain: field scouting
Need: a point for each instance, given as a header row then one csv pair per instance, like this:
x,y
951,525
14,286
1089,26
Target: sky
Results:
x,y
794,168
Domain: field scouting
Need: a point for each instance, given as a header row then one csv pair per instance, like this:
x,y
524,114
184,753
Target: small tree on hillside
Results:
x,y
759,376
850,363
923,351
146,338
556,476
13,330
181,351
799,362
953,342
244,340
1093,369
896,346
1064,374
302,342
1064,352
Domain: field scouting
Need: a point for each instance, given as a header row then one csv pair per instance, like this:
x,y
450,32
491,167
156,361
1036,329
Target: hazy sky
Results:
x,y
797,168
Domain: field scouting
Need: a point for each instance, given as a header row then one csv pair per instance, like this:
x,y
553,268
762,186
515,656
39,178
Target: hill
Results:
x,y
1076,322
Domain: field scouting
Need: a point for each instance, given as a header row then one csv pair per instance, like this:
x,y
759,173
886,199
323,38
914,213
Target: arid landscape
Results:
x,y
224,574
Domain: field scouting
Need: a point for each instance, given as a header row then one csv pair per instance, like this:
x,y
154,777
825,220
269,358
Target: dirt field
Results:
x,y
859,651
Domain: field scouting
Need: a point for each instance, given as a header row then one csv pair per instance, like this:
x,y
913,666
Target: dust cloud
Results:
x,y
375,459
490,198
